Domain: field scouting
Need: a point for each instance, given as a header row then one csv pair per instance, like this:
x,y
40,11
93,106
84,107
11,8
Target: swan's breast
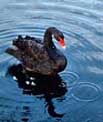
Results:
x,y
61,60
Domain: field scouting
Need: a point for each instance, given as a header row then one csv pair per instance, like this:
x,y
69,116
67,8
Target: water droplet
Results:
x,y
32,78
14,77
27,82
33,84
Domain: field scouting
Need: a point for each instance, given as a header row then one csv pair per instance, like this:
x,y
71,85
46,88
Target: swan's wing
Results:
x,y
28,47
34,49
37,59
33,55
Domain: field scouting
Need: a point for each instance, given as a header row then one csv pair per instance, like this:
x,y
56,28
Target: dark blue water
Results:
x,y
75,95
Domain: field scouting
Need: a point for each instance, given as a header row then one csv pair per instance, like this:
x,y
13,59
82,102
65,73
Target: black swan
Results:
x,y
40,56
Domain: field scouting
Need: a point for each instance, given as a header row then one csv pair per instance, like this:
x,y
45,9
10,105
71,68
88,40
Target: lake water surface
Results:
x,y
76,94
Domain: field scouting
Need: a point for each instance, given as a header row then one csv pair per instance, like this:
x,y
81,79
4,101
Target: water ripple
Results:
x,y
85,91
70,77
81,22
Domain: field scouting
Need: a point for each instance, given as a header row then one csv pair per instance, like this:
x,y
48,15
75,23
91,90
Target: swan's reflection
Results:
x,y
46,86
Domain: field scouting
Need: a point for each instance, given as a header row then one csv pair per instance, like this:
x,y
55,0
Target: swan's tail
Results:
x,y
13,52
19,42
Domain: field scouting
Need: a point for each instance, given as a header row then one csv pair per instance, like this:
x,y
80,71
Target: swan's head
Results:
x,y
60,38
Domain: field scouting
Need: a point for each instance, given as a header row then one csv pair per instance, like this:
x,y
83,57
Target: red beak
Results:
x,y
62,43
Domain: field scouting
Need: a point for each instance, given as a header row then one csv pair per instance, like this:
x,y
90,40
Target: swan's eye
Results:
x,y
62,42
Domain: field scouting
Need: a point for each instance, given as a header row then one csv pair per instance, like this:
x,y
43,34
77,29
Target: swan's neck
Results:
x,y
48,38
